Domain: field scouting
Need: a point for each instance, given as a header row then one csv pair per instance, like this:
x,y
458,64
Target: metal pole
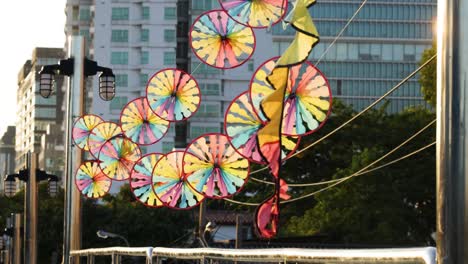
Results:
x,y
238,231
30,212
452,145
75,94
17,239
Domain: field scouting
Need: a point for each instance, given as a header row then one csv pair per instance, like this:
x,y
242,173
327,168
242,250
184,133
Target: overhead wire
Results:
x,y
361,172
411,75
341,32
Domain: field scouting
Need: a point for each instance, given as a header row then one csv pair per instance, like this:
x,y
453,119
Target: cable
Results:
x,y
196,68
363,169
341,32
411,75
358,173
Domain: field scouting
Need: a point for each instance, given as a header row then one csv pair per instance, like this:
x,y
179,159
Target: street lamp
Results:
x,y
23,175
104,235
65,67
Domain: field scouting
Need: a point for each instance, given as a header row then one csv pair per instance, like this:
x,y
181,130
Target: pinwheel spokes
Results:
x,y
221,42
170,184
256,14
140,124
173,95
242,125
141,180
308,97
82,128
214,168
117,158
100,134
90,180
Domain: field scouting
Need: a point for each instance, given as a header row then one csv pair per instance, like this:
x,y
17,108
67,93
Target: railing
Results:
x,y
425,255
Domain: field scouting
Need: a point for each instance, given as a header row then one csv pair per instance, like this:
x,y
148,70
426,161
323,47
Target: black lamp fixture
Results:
x,y
23,175
65,67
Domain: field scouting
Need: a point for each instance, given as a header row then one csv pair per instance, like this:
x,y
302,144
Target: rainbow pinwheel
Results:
x,y
90,180
242,125
117,158
214,168
170,184
307,100
258,13
82,128
173,94
141,180
140,124
100,134
221,42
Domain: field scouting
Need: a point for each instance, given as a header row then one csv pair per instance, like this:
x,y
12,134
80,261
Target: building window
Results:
x,y
170,13
118,103
169,58
144,57
196,131
250,66
85,34
209,110
143,79
119,57
145,12
75,11
121,80
167,146
85,14
120,13
144,35
169,35
201,4
119,35
210,89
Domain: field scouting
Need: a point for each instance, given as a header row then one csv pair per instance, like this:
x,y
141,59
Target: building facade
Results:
x,y
138,38
7,154
35,113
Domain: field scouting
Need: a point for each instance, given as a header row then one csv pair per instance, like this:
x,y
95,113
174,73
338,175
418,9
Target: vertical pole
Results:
x,y
452,144
182,62
75,94
30,212
238,231
17,238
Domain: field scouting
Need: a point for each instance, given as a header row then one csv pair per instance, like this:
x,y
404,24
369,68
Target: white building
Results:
x,y
137,39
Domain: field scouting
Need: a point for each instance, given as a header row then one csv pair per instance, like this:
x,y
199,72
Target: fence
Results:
x,y
426,255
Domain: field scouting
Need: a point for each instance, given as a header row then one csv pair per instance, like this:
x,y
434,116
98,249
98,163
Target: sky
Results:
x,y
24,25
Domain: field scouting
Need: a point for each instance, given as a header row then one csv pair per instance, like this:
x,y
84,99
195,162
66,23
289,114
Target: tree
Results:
x,y
428,76
391,206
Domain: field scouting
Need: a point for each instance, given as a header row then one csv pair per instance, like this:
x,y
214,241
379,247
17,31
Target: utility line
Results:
x,y
358,114
362,171
341,32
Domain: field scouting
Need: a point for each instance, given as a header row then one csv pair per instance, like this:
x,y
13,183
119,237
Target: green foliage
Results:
x,y
391,206
428,76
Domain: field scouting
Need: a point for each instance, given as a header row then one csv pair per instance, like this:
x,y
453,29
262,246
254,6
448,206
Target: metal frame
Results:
x,y
391,255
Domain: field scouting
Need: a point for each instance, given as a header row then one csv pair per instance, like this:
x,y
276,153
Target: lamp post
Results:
x,y
31,176
77,67
104,235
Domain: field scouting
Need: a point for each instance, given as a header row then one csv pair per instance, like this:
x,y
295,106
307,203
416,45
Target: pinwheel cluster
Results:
x,y
288,98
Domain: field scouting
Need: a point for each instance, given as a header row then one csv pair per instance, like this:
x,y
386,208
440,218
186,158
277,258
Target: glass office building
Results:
x,y
381,46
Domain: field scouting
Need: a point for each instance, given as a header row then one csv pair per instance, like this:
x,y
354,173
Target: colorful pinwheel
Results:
x,y
173,95
214,168
258,13
221,42
100,134
90,180
117,157
141,180
140,124
307,102
242,125
82,128
170,184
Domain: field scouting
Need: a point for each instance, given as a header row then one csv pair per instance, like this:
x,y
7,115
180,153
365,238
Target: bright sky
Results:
x,y
25,24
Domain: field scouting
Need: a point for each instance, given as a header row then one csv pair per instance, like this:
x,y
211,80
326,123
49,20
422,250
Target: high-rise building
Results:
x,y
138,38
7,154
35,113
